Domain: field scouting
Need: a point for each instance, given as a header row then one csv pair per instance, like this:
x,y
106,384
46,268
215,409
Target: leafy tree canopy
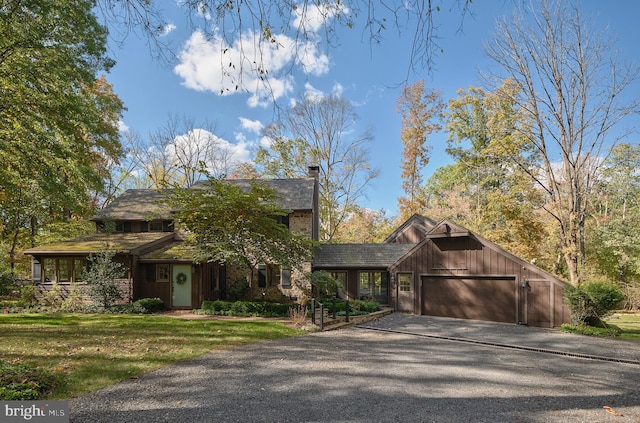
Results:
x,y
229,224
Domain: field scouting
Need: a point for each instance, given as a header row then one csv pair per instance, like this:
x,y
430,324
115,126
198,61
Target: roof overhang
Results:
x,y
121,243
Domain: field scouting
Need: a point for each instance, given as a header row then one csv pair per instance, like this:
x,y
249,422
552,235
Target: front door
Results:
x,y
181,286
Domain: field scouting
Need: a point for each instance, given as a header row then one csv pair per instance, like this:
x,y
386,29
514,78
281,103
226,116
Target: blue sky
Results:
x,y
368,75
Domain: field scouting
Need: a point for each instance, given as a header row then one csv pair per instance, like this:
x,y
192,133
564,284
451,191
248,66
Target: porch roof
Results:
x,y
176,250
123,243
336,256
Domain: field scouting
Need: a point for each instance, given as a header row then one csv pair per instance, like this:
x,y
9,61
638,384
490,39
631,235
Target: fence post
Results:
x,y
313,311
347,309
334,307
321,317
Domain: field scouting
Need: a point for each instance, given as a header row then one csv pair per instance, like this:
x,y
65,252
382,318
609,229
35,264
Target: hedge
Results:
x,y
245,308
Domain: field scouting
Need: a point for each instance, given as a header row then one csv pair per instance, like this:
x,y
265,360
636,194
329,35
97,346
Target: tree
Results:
x,y
102,276
422,113
300,25
181,152
614,248
227,224
322,133
58,118
570,86
485,139
365,226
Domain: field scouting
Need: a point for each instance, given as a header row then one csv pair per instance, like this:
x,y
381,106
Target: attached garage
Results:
x,y
479,298
444,269
454,272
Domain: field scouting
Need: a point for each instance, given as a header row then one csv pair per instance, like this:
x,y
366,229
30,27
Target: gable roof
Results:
x,y
148,204
295,194
359,255
420,223
448,229
136,204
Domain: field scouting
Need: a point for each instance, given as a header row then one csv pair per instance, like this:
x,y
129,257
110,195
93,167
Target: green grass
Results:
x,y
620,325
628,323
87,352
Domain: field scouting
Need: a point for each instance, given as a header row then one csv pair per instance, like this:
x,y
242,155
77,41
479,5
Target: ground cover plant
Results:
x,y
621,325
64,355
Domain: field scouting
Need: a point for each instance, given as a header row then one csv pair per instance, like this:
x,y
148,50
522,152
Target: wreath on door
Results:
x,y
181,278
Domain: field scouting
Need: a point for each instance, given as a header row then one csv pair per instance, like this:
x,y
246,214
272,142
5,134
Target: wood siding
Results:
x,y
451,263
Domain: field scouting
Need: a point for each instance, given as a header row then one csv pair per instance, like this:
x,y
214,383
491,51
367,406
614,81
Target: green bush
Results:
x,y
591,301
238,290
609,330
356,307
245,308
19,382
7,282
28,296
151,305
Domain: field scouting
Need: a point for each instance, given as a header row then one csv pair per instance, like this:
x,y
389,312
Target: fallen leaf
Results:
x,y
612,411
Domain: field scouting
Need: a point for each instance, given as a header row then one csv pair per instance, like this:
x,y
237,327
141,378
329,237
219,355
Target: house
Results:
x,y
443,269
423,267
156,259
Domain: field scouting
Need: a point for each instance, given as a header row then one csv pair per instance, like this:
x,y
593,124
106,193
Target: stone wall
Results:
x,y
57,293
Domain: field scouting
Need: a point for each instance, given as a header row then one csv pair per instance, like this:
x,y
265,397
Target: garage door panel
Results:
x,y
470,298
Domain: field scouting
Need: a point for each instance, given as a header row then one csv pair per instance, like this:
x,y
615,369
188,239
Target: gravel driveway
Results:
x,y
398,369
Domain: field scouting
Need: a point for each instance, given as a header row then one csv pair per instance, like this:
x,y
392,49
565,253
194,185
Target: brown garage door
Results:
x,y
492,299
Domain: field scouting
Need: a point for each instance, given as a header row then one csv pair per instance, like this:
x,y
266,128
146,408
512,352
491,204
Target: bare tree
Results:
x,y
321,131
181,152
570,86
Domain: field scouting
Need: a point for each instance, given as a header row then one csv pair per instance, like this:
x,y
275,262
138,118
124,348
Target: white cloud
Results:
x,y
248,64
254,126
167,29
218,154
314,94
122,127
312,17
213,65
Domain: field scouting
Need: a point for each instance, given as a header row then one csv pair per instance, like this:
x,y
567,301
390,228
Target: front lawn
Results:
x,y
83,352
628,323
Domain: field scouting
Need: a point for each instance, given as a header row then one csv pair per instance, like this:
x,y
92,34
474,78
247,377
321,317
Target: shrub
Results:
x,y
74,301
323,283
245,308
101,277
609,330
238,290
590,302
7,282
19,382
28,296
150,305
53,298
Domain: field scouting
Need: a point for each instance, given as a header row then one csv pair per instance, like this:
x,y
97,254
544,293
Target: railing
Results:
x,y
321,306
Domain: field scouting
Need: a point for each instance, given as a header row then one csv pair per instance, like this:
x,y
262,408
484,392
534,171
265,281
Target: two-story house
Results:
x,y
158,264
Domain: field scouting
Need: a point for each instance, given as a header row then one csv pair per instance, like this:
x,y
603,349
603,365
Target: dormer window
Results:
x,y
119,227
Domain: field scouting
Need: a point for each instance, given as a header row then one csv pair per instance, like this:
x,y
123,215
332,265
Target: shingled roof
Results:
x,y
125,243
148,204
294,194
336,256
136,204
